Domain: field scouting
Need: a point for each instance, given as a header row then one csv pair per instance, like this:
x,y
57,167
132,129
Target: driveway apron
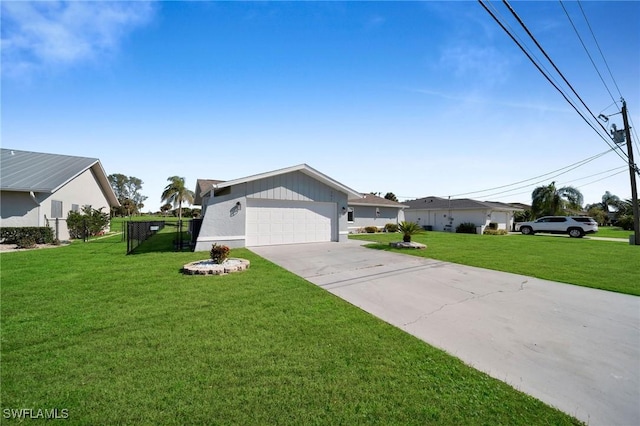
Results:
x,y
575,348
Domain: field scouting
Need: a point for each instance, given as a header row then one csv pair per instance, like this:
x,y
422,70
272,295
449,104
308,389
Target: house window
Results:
x,y
223,191
56,209
75,208
350,214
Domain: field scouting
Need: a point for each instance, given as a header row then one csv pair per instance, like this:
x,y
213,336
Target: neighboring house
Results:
x,y
443,214
520,206
297,204
38,189
372,210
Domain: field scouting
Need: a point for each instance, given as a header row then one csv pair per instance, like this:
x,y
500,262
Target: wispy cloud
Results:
x,y
485,63
36,35
374,22
479,99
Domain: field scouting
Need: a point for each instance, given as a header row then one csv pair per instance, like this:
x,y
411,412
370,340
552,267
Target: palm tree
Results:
x,y
176,193
408,229
551,201
610,200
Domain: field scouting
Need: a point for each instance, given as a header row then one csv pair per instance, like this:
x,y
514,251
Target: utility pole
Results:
x,y
632,174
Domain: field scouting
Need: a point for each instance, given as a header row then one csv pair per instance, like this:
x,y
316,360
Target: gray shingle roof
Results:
x,y
202,187
437,203
374,200
39,172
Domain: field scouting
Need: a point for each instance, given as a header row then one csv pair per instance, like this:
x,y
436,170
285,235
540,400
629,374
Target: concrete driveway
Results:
x,y
575,348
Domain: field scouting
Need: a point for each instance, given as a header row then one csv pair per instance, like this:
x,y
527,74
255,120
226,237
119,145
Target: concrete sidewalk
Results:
x,y
575,348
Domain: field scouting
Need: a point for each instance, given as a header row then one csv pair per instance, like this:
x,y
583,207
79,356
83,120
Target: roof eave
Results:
x,y
399,206
303,168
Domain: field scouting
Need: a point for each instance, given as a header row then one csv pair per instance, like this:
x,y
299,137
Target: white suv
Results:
x,y
575,226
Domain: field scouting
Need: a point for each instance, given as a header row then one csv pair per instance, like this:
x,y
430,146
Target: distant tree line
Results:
x,y
127,190
546,200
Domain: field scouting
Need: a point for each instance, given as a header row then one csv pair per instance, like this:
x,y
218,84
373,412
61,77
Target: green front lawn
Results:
x,y
607,265
612,232
118,339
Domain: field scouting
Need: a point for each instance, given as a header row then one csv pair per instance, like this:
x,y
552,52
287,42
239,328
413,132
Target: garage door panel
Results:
x,y
285,222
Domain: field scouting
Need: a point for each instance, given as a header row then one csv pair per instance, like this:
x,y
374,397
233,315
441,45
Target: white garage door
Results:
x,y
271,222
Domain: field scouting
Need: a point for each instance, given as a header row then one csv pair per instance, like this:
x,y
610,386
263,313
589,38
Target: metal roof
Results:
x,y
26,171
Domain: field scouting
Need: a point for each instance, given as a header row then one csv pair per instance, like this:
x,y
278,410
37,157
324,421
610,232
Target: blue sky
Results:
x,y
414,98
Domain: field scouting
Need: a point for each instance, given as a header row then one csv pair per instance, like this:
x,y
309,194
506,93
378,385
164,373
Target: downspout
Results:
x,y
35,200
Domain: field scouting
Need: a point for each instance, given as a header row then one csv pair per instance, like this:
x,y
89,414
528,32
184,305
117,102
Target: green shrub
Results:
x,y
89,223
408,229
219,253
466,228
625,222
371,229
26,243
40,235
391,227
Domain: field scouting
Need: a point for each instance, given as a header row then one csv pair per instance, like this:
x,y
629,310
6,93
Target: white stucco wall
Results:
x,y
504,219
374,216
439,219
20,209
224,223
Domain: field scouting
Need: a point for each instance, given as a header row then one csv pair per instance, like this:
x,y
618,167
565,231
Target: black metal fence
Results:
x,y
138,232
194,230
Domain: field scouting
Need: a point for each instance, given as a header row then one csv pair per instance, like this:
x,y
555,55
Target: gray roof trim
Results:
x,y
303,168
26,171
203,187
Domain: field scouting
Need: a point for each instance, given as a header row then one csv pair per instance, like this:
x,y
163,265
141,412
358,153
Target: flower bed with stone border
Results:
x,y
208,267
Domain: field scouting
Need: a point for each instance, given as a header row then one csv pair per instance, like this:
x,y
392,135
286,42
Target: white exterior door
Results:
x,y
271,222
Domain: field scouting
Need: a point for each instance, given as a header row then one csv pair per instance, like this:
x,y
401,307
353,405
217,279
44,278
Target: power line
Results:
x,y
577,164
618,170
509,192
624,169
544,52
529,185
632,134
587,50
562,183
522,24
549,79
570,167
600,50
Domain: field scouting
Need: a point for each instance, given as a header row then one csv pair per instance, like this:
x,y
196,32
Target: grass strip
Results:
x,y
118,339
606,265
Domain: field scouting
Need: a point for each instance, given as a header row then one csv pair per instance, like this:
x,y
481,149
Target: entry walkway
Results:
x,y
575,348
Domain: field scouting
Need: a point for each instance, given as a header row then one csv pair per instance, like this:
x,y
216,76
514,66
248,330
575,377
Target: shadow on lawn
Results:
x,y
161,243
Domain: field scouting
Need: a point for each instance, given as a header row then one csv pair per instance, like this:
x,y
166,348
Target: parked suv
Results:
x,y
575,226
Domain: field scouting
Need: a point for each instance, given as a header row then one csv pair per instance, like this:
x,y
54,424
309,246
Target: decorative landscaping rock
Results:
x,y
410,245
208,267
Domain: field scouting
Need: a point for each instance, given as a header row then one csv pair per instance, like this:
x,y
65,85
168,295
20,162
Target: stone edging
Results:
x,y
207,267
410,245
